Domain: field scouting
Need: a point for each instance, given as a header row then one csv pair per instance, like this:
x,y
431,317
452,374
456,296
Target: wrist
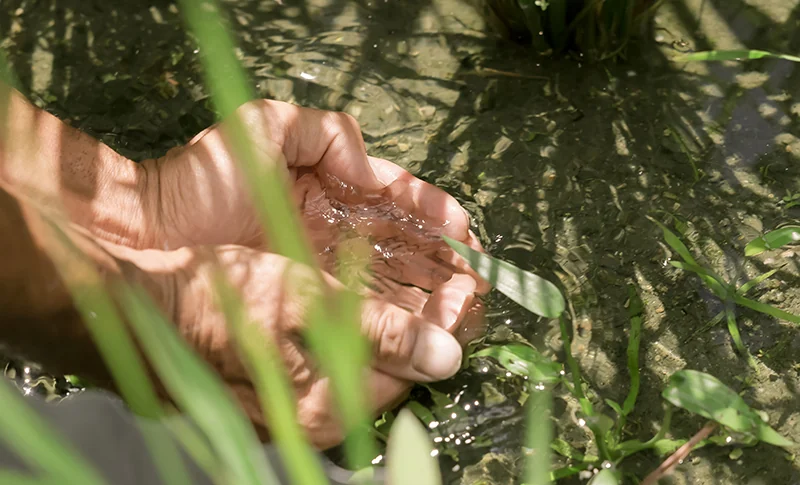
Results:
x,y
99,189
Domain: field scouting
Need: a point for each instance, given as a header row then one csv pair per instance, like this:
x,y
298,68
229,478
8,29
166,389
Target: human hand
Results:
x,y
408,345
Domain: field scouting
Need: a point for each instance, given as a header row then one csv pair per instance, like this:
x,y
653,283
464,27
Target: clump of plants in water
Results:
x,y
598,29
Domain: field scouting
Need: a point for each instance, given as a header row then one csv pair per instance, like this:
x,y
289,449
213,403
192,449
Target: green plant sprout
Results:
x,y
729,293
694,391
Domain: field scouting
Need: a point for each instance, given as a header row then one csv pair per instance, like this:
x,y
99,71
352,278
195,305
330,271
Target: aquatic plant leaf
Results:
x,y
533,292
732,55
523,360
676,244
707,396
408,453
606,476
199,392
773,240
733,329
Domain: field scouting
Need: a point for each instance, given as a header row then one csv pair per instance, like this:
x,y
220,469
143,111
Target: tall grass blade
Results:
x,y
230,90
409,454
43,450
732,55
199,392
532,292
273,387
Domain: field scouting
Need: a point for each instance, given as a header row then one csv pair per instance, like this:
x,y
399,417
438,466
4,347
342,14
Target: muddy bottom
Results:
x,y
560,162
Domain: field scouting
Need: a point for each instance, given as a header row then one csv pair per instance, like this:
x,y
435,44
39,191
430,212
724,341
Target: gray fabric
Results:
x,y
100,427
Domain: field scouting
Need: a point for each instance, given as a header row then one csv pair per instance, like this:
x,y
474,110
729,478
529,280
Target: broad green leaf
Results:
x,y
773,240
43,450
199,393
409,453
533,292
706,396
732,55
606,476
523,360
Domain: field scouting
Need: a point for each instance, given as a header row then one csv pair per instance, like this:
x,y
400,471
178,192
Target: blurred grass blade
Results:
x,y
42,449
635,310
703,394
539,435
410,458
273,386
755,282
115,345
732,55
766,309
711,280
532,292
198,392
773,240
523,360
230,89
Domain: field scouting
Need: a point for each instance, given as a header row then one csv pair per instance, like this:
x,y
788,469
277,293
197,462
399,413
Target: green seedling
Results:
x,y
732,55
725,291
776,239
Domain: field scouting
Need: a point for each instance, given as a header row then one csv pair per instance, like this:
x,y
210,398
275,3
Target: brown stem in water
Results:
x,y
679,455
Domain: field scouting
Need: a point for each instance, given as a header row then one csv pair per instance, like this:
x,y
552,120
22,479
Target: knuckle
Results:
x,y
394,338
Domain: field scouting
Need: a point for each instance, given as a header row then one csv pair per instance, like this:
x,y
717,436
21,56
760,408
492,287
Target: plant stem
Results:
x,y
679,455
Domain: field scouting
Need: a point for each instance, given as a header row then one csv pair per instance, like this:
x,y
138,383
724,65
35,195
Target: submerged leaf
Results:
x,y
732,55
773,240
703,394
523,360
534,293
409,456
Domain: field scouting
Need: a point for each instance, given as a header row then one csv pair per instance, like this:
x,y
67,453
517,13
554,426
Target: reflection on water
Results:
x,y
558,162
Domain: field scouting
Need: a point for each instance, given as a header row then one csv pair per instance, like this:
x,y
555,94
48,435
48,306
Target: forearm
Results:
x,y
97,188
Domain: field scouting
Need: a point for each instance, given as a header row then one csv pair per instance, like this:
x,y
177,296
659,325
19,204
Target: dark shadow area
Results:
x,y
559,162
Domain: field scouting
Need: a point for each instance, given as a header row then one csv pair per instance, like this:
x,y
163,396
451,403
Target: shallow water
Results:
x,y
559,162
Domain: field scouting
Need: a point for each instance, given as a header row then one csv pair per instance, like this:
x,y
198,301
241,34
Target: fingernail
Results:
x,y
437,354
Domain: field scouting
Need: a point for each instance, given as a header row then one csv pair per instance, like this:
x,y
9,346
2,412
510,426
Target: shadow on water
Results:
x,y
560,163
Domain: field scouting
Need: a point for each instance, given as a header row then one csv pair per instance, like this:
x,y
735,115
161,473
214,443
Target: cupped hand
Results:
x,y
409,345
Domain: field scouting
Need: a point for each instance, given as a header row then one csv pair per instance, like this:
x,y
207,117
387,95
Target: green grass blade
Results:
x,y
532,292
766,309
116,347
676,244
30,437
714,282
773,240
539,435
732,55
198,392
705,395
733,329
635,310
273,387
755,282
409,453
230,89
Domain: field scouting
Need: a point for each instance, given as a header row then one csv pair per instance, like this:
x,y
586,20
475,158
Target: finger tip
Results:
x,y
437,355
